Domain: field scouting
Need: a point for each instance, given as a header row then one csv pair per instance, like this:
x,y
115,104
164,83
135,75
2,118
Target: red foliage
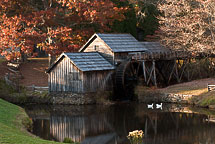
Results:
x,y
54,25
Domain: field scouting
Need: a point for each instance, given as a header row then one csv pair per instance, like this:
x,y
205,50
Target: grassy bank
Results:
x,y
12,129
2,60
198,88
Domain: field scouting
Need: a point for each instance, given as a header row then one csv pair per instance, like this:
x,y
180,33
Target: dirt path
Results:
x,y
195,87
34,72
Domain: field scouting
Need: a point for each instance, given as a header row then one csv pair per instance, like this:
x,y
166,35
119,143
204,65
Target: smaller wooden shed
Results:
x,y
80,73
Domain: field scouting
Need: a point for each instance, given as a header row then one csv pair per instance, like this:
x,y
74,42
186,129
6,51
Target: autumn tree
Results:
x,y
19,21
188,25
53,25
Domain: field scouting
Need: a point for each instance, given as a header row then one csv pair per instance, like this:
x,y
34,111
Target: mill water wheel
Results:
x,y
126,77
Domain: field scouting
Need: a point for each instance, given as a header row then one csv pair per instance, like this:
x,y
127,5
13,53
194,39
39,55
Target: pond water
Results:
x,y
99,124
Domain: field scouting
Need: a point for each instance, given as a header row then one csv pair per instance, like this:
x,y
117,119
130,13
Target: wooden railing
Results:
x,y
158,55
10,82
211,87
37,88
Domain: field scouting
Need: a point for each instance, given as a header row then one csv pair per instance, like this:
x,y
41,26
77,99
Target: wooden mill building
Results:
x,y
113,47
79,73
117,56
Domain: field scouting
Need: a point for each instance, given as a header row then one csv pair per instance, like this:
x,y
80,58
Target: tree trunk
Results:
x,y
23,57
52,59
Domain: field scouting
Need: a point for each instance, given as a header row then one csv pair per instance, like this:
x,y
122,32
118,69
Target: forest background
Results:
x,y
57,26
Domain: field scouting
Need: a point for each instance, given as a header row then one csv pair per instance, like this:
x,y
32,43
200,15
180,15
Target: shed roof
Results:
x,y
117,42
92,61
154,47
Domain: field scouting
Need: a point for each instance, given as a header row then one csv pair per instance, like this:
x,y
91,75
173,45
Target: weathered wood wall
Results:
x,y
103,49
120,56
78,127
66,77
61,78
97,81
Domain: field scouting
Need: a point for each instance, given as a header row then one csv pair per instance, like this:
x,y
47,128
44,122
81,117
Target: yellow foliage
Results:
x,y
136,137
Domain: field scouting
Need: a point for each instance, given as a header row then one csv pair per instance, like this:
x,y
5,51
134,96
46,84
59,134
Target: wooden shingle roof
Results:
x,y
153,47
118,42
92,61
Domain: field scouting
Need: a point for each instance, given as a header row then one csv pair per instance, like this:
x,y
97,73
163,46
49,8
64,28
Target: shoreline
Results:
x,y
193,93
143,94
14,123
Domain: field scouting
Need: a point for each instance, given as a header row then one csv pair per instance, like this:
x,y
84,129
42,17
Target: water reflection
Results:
x,y
111,124
77,127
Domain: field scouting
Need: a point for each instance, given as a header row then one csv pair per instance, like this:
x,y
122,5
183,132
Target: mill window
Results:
x,y
96,47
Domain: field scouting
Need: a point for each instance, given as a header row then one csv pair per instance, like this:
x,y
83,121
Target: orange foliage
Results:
x,y
54,25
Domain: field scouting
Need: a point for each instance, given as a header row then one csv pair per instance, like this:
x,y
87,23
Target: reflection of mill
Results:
x,y
78,127
112,124
153,120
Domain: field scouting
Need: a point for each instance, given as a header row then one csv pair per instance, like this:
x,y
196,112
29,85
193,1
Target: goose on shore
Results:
x,y
159,106
150,105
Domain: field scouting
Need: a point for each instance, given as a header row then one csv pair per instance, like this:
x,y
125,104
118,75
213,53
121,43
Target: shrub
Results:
x,y
68,140
136,137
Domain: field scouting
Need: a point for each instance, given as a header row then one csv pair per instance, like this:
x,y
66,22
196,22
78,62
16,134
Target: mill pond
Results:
x,y
99,124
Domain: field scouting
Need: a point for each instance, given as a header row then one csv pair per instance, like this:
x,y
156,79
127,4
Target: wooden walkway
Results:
x,y
139,56
211,87
163,67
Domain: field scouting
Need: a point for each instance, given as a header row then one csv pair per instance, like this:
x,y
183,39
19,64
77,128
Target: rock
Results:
x,y
73,98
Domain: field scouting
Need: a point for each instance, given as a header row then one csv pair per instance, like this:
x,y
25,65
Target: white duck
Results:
x,y
159,106
150,106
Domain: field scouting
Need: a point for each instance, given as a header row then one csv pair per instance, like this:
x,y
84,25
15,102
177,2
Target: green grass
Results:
x,y
2,60
206,99
198,88
5,89
12,130
186,88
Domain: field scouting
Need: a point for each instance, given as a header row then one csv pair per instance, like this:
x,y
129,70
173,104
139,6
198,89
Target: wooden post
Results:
x,y
182,69
208,88
170,77
33,87
150,71
188,73
51,59
154,72
144,71
176,71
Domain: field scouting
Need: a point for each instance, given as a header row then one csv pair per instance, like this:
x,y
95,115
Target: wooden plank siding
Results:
x,y
61,78
78,127
97,80
103,49
66,77
118,57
